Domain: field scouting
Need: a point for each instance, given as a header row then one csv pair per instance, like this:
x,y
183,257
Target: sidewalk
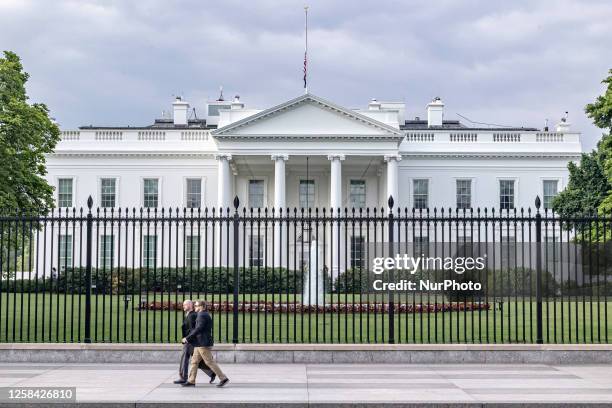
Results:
x,y
311,385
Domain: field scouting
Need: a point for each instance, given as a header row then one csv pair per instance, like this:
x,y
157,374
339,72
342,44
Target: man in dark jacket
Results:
x,y
200,337
188,324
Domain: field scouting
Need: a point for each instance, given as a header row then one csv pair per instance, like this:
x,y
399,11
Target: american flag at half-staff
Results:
x,y
305,69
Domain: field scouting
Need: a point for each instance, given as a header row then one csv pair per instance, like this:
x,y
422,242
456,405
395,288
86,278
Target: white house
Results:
x,y
308,152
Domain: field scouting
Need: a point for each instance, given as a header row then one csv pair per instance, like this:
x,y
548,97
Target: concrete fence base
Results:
x,y
314,353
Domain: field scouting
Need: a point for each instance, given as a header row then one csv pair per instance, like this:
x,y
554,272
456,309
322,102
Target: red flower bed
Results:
x,y
270,307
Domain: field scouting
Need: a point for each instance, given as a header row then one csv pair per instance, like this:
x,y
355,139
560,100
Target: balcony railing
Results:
x,y
129,135
437,136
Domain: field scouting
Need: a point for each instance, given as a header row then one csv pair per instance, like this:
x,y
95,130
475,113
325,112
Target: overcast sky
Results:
x,y
121,62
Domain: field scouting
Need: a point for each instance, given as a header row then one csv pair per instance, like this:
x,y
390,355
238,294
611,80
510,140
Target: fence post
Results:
x,y
391,275
538,228
236,272
89,227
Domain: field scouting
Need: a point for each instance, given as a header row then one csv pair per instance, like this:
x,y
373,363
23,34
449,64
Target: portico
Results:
x,y
307,153
307,127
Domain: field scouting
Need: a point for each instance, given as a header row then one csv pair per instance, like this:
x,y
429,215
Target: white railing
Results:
x,y
492,136
194,135
464,137
151,135
549,137
420,137
68,135
504,137
109,135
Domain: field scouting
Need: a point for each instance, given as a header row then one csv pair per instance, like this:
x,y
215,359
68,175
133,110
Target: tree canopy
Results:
x,y
27,134
590,182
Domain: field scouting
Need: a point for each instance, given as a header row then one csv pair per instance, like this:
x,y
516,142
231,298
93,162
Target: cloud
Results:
x,y
117,63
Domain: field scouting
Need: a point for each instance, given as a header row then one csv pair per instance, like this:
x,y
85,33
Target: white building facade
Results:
x,y
307,153
311,152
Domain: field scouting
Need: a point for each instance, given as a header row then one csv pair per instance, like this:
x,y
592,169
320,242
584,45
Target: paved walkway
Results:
x,y
325,384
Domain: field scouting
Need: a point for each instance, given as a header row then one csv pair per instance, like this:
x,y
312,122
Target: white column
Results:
x,y
392,178
335,202
335,196
279,202
224,200
224,184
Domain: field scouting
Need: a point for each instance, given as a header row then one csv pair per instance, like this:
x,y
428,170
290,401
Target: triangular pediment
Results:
x,y
307,116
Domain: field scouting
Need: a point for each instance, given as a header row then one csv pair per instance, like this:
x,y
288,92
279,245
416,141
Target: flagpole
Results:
x,y
306,51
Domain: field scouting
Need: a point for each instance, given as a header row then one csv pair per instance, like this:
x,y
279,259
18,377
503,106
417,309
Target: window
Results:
x,y
64,246
106,251
256,251
421,246
421,193
64,192
550,191
464,194
108,192
307,189
151,192
506,194
193,198
357,252
357,194
256,193
192,252
149,251
508,251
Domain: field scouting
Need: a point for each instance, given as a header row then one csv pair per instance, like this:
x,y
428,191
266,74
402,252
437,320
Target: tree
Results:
x,y
27,135
601,113
590,183
587,186
601,110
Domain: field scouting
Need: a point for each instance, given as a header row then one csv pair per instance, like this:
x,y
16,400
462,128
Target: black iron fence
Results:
x,y
382,275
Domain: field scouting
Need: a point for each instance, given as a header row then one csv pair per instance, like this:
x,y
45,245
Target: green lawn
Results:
x,y
58,318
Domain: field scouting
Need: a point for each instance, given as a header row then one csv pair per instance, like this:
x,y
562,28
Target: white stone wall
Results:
x,y
130,172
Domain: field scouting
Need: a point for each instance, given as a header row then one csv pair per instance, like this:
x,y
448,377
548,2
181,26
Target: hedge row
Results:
x,y
127,280
290,307
512,282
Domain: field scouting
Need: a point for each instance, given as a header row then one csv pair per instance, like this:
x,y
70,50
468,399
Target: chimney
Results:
x,y
236,104
435,112
564,125
180,109
374,104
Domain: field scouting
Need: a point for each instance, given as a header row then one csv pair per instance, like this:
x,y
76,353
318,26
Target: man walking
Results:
x,y
200,337
189,323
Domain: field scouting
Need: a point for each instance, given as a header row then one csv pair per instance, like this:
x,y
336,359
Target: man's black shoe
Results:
x,y
223,382
180,381
212,378
188,384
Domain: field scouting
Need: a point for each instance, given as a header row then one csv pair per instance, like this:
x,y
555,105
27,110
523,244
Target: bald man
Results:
x,y
188,324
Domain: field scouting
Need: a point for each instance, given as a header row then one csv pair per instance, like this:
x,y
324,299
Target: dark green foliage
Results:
x,y
519,282
587,186
27,135
208,280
